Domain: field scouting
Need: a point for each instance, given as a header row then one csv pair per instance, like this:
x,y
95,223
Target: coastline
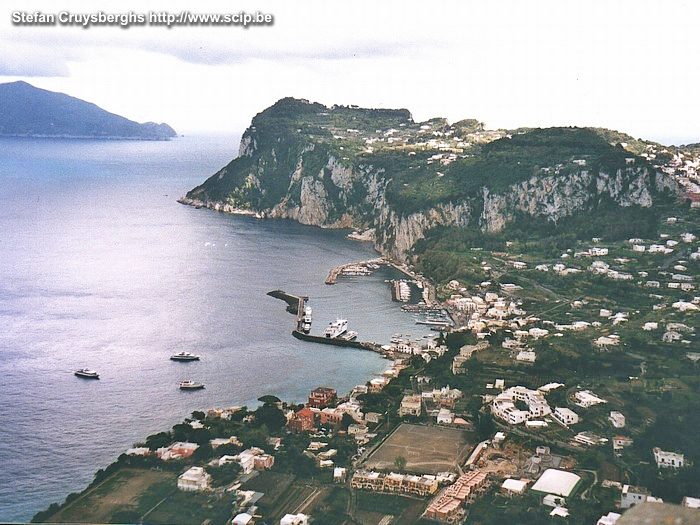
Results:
x,y
84,137
218,206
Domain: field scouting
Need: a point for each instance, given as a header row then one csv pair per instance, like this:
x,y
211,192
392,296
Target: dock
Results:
x,y
429,295
338,270
374,347
295,305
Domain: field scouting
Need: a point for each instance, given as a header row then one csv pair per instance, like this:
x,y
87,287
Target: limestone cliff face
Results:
x,y
555,197
291,174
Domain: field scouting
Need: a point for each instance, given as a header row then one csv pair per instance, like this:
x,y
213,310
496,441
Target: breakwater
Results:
x,y
336,341
295,305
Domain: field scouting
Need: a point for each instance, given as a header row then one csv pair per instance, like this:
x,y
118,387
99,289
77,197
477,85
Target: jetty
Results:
x,y
295,305
337,341
354,268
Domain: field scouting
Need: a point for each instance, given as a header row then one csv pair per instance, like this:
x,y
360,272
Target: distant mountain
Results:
x,y
28,111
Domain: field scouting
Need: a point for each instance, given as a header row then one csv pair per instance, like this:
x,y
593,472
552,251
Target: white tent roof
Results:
x,y
514,485
557,482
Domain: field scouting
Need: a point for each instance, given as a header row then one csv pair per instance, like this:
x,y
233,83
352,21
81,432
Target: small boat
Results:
x,y
87,373
348,336
184,356
188,384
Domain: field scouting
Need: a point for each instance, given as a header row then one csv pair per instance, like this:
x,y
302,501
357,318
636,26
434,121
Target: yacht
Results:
x,y
184,356
188,384
87,373
336,328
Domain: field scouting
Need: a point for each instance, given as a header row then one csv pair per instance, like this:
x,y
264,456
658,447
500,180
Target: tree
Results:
x,y
400,463
270,416
347,421
269,399
224,474
161,439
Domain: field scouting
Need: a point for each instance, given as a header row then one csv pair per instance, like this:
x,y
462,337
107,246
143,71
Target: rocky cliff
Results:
x,y
377,170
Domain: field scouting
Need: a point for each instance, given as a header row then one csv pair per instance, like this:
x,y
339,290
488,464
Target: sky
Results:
x,y
625,65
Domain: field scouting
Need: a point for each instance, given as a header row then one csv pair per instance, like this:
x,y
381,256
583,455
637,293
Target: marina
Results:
x,y
428,295
355,268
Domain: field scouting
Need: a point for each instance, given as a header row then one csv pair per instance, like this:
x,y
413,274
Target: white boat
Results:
x,y
348,336
189,384
336,328
184,356
87,373
307,315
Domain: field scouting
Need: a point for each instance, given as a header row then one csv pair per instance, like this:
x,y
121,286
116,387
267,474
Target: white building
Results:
x,y
294,519
503,405
242,519
633,496
585,399
445,417
515,486
668,459
566,416
617,419
692,503
339,474
193,479
589,439
527,356
609,519
557,482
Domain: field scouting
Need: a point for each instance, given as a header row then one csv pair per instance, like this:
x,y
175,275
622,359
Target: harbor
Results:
x,y
296,306
399,293
355,268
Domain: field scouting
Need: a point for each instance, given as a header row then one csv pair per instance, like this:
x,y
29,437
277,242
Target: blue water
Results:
x,y
101,268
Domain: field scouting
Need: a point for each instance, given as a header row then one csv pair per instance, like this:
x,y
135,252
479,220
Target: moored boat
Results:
x,y
336,328
348,336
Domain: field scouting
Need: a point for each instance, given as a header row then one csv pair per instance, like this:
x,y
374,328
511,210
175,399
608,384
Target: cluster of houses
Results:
x,y
449,505
485,312
435,403
451,142
395,483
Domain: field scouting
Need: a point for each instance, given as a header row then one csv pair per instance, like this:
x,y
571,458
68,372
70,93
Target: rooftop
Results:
x,y
558,482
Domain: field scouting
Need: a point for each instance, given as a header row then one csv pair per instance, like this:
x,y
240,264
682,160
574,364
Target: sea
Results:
x,y
101,268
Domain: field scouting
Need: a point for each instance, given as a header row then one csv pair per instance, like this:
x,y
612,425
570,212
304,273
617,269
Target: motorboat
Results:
x,y
87,373
189,384
184,356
